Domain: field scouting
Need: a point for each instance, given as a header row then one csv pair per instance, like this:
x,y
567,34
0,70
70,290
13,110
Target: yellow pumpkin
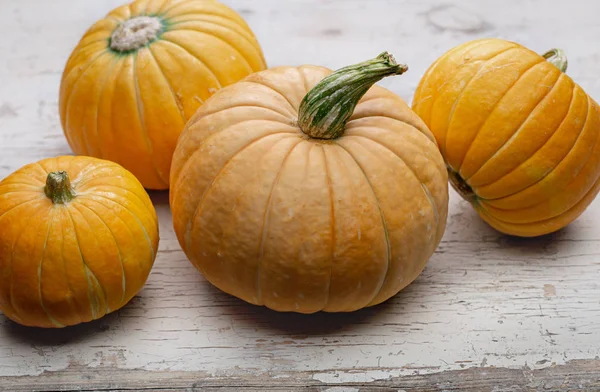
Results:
x,y
288,192
140,73
78,238
519,137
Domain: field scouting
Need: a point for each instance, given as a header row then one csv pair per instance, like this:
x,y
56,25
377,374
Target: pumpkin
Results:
x,y
520,138
305,190
78,238
140,73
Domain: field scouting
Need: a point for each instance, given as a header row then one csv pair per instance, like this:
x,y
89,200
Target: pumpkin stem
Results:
x,y
135,33
58,187
326,108
461,187
558,58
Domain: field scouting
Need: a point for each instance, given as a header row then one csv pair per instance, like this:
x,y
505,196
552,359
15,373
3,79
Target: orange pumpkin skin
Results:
x,y
130,105
64,263
298,224
519,137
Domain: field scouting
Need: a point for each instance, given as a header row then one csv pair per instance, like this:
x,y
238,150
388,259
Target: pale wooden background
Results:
x,y
490,312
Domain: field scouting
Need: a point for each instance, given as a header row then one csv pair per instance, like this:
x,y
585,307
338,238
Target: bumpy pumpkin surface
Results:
x,y
520,138
139,74
78,238
337,219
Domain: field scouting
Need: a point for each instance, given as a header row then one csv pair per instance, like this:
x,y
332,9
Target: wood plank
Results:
x,y
577,375
489,311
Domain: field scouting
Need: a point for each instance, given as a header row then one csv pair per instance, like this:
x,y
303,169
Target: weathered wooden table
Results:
x,y
490,313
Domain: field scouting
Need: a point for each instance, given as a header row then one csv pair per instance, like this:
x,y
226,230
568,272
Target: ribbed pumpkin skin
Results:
x,y
64,264
130,108
276,218
519,132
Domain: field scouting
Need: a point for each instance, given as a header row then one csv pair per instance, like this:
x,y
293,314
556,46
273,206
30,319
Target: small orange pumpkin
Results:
x,y
296,190
521,140
78,238
140,73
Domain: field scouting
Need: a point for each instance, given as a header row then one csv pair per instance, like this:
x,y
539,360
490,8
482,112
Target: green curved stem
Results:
x,y
58,187
558,58
326,108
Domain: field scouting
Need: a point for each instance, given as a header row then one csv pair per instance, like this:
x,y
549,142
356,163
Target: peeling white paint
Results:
x,y
342,377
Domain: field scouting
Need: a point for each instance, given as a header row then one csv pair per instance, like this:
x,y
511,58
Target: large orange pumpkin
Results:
x,y
286,191
520,138
78,237
139,74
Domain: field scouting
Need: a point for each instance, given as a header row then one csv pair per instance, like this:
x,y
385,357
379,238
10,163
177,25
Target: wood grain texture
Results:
x,y
490,312
583,375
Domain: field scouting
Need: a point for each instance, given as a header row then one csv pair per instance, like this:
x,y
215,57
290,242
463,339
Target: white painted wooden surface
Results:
x,y
484,299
